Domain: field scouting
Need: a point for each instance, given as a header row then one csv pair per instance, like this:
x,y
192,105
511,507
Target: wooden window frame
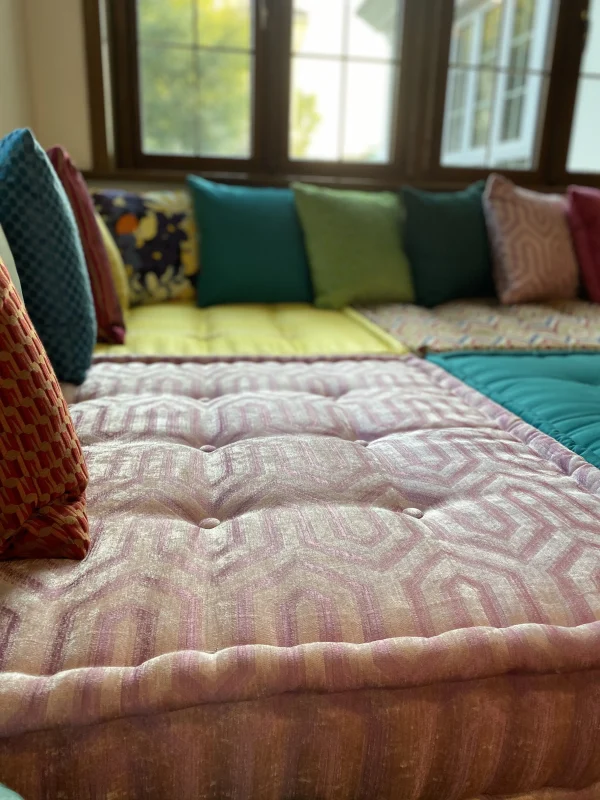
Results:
x,y
560,101
419,107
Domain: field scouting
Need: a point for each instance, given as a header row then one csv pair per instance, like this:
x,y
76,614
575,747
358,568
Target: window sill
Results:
x,y
451,182
168,176
239,178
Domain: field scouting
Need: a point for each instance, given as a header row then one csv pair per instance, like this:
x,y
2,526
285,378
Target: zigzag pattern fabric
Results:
x,y
532,249
484,325
43,476
337,579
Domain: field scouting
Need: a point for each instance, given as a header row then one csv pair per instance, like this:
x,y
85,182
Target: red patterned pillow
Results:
x,y
109,314
43,476
531,244
584,218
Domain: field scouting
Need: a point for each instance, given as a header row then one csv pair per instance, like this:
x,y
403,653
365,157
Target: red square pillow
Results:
x,y
109,314
43,476
584,219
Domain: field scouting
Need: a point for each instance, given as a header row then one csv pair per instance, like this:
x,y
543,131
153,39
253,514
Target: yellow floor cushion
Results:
x,y
277,330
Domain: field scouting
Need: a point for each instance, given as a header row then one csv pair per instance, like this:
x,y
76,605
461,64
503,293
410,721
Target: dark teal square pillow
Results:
x,y
251,245
446,241
43,237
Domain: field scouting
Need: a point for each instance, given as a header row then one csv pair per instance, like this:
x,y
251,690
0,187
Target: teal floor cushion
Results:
x,y
557,393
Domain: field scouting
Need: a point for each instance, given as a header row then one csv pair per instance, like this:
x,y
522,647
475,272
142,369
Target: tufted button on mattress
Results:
x,y
209,523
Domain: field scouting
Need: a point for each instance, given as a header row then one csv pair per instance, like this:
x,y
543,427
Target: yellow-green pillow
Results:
x,y
117,265
354,244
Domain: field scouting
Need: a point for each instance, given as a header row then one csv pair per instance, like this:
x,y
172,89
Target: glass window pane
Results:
x,y
368,117
462,37
318,27
224,102
345,68
512,120
165,21
168,100
224,24
591,58
495,108
486,91
490,41
373,28
584,152
516,146
196,97
454,128
316,107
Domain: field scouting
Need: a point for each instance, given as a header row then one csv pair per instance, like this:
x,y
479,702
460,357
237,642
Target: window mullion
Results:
x,y
273,89
260,90
562,96
433,51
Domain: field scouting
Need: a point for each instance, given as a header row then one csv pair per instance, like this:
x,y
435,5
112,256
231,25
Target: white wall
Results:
x,y
15,95
58,75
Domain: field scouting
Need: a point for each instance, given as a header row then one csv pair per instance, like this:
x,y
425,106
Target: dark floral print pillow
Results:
x,y
156,235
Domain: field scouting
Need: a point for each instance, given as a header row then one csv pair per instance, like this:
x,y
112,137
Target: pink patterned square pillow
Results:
x,y
531,244
583,212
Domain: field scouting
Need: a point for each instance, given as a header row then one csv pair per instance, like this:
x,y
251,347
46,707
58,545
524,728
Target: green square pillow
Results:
x,y
447,244
251,246
354,243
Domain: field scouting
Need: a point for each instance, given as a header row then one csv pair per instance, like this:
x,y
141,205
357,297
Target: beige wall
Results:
x,y
43,80
15,94
57,71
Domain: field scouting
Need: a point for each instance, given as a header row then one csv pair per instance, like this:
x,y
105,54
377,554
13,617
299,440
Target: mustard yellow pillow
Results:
x,y
117,265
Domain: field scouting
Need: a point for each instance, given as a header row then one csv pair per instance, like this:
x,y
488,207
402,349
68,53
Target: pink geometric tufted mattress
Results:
x,y
341,579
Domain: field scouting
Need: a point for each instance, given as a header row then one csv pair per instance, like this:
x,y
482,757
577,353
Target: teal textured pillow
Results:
x,y
251,245
446,242
354,244
43,237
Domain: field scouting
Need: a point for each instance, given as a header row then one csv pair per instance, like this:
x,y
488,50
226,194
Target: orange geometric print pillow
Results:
x,y
43,476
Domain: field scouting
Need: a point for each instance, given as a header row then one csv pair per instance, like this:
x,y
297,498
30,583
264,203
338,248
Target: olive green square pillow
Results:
x,y
447,245
354,244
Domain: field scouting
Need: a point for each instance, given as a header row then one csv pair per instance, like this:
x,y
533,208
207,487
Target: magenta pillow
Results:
x,y
531,243
583,212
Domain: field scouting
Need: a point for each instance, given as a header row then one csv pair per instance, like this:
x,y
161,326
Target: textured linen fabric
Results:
x,y
557,393
251,245
43,475
109,314
531,244
485,325
331,579
446,241
354,242
583,213
41,230
7,259
117,265
156,236
183,329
